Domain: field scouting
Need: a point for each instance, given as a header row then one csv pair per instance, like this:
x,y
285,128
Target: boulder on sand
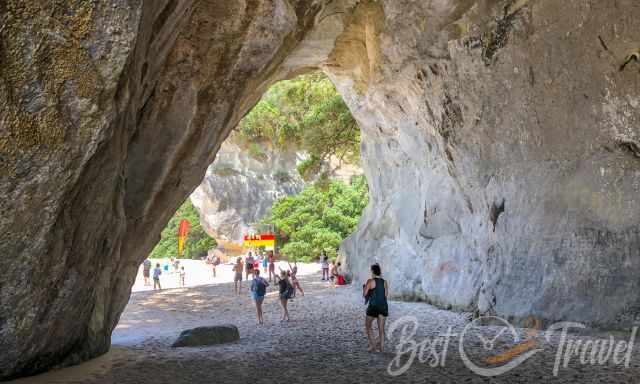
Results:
x,y
218,334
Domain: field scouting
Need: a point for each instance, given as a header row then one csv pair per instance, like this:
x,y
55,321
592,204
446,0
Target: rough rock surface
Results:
x,y
211,335
500,141
492,146
239,188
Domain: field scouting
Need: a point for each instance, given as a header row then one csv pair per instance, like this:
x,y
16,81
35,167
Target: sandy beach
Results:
x,y
197,273
323,343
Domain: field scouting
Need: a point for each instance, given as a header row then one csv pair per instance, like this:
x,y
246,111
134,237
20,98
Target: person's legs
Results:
x,y
284,306
367,327
261,313
286,310
299,288
381,320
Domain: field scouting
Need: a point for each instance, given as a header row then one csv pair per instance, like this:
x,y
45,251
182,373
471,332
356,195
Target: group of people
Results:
x,y
287,280
286,292
331,271
157,272
375,290
250,265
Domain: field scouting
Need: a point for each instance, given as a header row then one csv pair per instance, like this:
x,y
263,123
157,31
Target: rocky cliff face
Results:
x,y
501,147
500,141
239,188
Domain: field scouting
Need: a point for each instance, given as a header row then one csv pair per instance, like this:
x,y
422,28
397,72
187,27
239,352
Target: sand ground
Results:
x,y
198,273
323,343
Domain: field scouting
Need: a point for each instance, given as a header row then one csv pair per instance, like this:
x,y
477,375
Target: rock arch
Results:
x,y
110,112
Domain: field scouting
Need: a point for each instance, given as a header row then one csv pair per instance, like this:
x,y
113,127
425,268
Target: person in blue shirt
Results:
x,y
156,277
258,292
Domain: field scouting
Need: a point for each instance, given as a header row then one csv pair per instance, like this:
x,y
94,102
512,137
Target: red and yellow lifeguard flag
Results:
x,y
182,234
263,240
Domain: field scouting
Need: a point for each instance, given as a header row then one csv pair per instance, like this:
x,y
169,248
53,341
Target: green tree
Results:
x,y
308,112
319,219
198,241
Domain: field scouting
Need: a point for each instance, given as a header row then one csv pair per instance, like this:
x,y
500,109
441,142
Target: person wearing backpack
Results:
x,y
286,291
258,291
156,277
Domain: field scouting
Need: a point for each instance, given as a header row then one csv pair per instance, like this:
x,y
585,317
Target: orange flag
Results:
x,y
182,234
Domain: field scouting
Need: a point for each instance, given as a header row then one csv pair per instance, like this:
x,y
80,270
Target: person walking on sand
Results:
x,y
375,293
237,278
182,276
285,290
156,277
324,265
248,267
272,266
214,265
258,292
146,271
265,263
294,277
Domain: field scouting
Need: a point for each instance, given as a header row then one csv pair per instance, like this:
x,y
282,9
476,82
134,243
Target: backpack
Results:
x,y
261,287
290,292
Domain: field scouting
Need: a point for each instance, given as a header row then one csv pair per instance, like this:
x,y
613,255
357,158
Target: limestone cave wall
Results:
x,y
501,146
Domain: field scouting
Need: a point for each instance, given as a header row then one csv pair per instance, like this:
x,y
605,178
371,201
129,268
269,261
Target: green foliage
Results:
x,y
257,152
309,113
310,167
198,241
318,219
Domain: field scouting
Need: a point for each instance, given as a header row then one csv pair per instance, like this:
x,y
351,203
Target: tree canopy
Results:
x,y
198,242
306,111
318,219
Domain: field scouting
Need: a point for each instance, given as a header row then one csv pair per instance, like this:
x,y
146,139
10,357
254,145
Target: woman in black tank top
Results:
x,y
375,292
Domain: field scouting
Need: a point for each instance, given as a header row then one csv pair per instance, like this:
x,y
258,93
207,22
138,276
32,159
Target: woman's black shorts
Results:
x,y
375,311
